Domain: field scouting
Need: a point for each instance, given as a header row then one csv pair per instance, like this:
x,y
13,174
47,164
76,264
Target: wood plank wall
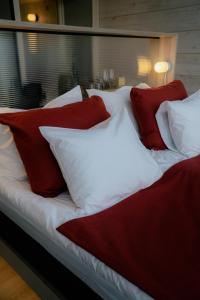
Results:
x,y
180,16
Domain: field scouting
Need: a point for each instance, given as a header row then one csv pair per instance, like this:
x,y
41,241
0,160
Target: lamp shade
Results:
x,y
161,67
144,66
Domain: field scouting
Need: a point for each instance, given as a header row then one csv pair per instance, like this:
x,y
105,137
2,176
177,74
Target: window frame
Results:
x,y
95,13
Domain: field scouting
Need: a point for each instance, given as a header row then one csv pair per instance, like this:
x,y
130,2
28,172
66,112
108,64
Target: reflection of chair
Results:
x,y
32,95
65,83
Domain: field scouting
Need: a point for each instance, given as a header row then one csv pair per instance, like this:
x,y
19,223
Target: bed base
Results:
x,y
46,276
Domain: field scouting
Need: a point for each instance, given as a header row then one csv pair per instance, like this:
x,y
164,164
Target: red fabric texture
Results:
x,y
145,103
42,169
151,238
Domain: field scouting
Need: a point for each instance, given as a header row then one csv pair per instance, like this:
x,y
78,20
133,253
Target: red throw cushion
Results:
x,y
43,171
145,103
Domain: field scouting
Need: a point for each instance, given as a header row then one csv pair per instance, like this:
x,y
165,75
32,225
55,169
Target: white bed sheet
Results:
x,y
167,158
40,217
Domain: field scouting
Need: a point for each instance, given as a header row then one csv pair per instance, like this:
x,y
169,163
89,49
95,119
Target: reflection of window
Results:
x,y
6,10
78,12
46,11
68,12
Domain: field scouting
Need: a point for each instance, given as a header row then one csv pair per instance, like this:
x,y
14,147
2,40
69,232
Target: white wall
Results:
x,y
180,16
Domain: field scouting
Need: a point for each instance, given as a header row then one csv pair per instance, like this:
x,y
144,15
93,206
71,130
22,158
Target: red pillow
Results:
x,y
43,171
145,103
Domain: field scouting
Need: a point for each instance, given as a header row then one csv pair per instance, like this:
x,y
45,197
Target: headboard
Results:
x,y
38,63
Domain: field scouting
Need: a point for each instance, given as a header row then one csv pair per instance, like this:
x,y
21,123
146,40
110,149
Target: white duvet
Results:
x,y
44,215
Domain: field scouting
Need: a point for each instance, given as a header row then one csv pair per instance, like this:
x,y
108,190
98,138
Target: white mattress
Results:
x,y
40,217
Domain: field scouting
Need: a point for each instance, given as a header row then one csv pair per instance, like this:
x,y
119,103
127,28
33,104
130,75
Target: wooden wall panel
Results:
x,y
191,82
180,16
189,42
107,9
171,20
188,64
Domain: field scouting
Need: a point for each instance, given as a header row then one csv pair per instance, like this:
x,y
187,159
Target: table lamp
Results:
x,y
162,67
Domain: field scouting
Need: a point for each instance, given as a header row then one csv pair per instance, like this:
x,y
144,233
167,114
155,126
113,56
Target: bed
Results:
x,y
39,219
31,220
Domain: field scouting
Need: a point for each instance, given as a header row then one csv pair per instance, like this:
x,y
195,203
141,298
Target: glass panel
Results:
x,y
42,11
56,62
6,10
69,12
37,67
10,84
78,12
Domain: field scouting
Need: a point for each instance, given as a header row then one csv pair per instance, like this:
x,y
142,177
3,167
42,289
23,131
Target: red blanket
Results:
x,y
153,237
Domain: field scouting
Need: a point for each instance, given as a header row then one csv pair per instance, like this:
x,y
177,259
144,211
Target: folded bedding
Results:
x,y
154,232
151,238
40,217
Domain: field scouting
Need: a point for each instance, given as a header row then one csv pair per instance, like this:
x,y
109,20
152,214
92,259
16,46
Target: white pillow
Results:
x,y
11,164
179,123
163,125
72,96
104,164
118,99
184,124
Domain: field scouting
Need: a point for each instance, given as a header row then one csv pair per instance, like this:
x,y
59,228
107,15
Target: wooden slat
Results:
x,y
112,8
188,64
191,82
189,42
180,16
173,20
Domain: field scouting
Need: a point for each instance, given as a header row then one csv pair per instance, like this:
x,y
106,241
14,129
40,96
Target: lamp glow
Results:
x,y
144,65
32,17
161,67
